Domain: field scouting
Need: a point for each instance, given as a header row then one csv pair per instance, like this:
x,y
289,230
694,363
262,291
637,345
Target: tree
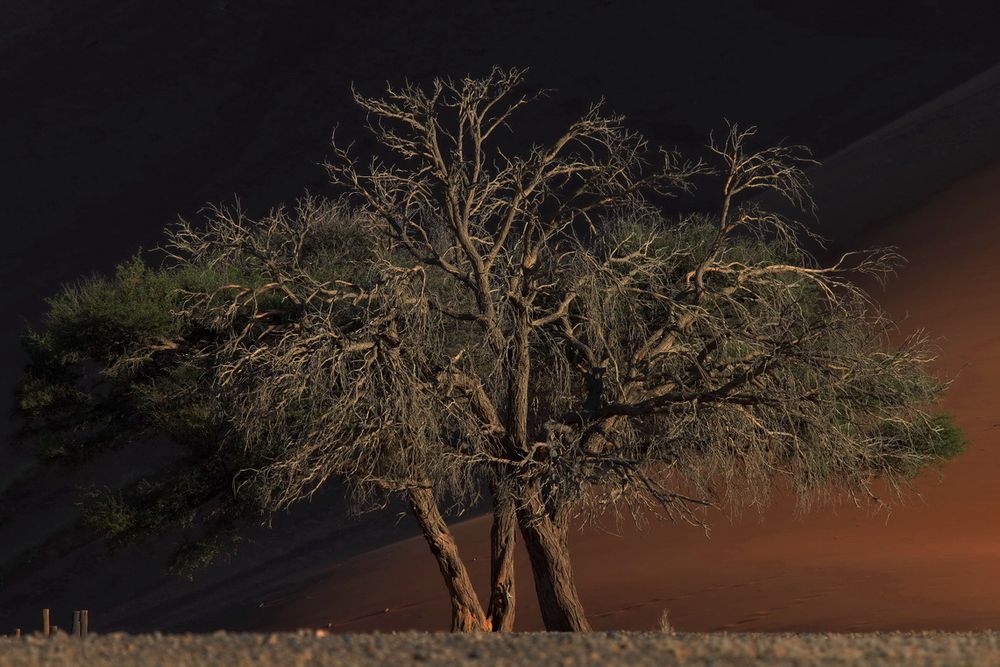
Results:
x,y
533,324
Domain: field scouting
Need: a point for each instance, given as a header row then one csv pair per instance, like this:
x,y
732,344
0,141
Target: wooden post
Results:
x,y
55,629
17,632
46,628
76,624
84,622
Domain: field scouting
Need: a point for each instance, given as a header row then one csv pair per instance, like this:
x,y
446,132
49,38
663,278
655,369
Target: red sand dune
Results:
x,y
934,562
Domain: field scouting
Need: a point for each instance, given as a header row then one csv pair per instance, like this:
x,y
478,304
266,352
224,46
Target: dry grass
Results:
x,y
666,627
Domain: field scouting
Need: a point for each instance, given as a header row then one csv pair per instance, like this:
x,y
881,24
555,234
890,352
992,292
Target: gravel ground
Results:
x,y
615,648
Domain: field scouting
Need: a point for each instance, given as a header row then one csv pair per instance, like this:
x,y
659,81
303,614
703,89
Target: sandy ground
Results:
x,y
616,648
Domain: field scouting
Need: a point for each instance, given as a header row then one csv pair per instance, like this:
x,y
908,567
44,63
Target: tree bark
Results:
x,y
502,539
547,541
466,611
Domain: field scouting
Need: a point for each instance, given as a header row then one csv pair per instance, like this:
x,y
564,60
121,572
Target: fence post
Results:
x,y
46,628
76,624
17,632
84,622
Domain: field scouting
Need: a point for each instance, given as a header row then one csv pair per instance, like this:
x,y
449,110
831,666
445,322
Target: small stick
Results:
x,y
76,624
84,622
46,628
55,629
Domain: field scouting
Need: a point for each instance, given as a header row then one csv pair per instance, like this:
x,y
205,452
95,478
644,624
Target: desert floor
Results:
x,y
616,648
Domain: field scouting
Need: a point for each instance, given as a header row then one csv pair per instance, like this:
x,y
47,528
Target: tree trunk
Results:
x,y
466,611
548,548
502,538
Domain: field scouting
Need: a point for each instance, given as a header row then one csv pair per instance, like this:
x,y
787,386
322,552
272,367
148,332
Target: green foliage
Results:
x,y
198,554
190,499
40,390
117,361
100,317
106,510
945,439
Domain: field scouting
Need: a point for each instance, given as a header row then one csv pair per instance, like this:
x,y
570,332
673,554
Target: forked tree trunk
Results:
x,y
547,541
502,539
466,611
